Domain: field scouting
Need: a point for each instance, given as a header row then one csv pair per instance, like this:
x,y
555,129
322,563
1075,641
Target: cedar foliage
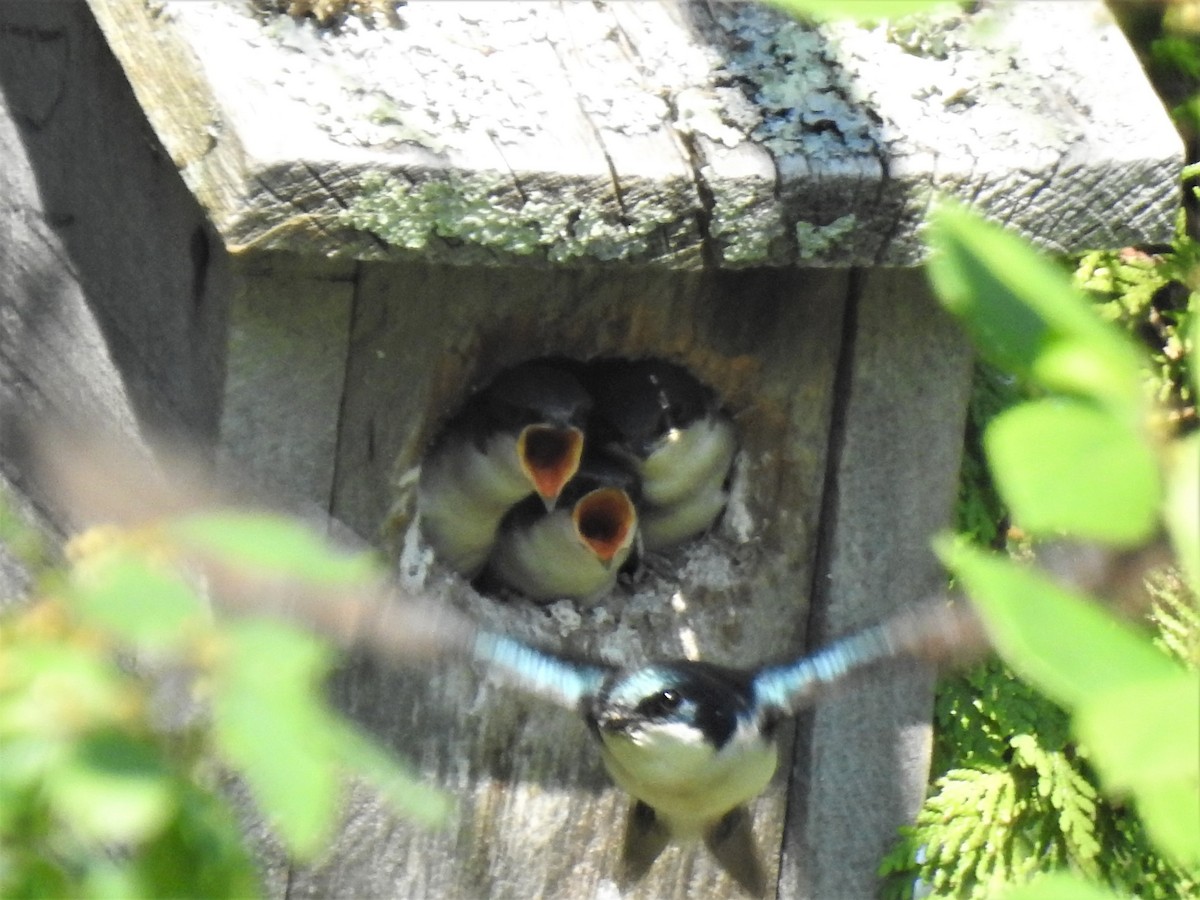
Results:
x,y
1011,795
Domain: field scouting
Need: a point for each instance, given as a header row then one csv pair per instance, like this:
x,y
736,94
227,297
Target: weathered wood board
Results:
x,y
863,758
113,286
288,339
674,132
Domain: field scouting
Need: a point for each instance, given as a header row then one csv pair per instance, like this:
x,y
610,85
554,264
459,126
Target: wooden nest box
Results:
x,y
406,206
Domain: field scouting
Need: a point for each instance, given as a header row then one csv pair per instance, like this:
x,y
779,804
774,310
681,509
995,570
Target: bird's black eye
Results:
x,y
660,704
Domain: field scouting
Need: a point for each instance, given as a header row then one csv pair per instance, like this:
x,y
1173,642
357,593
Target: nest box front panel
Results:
x,y
424,340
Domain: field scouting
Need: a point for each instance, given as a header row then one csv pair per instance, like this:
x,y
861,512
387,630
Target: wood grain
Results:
x,y
673,132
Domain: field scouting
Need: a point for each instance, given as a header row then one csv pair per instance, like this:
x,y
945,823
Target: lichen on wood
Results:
x,y
328,12
675,133
484,212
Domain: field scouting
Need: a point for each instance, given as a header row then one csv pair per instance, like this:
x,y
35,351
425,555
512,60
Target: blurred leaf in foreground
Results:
x,y
871,10
1025,317
1069,466
1137,711
1063,642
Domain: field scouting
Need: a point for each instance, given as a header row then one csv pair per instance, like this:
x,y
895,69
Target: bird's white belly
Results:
x,y
462,496
548,559
694,459
666,526
688,784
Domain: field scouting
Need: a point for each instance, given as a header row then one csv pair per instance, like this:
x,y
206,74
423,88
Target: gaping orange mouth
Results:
x,y
605,520
550,457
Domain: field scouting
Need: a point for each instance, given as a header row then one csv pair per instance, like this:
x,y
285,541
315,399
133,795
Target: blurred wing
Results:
x,y
95,478
551,677
936,631
308,569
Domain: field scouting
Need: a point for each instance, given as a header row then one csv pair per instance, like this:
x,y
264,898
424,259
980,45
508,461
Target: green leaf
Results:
x,y
1144,738
138,601
112,788
24,761
1060,641
1171,813
1066,465
58,690
20,538
269,722
1192,336
206,834
1182,510
857,9
1024,315
399,787
271,544
27,875
112,878
1059,886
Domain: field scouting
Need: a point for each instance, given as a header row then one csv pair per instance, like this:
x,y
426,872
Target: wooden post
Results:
x,y
862,758
113,285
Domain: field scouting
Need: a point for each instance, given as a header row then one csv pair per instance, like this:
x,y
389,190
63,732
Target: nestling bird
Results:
x,y
576,549
521,436
694,742
676,438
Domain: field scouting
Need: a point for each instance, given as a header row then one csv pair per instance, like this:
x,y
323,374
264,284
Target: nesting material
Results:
x,y
558,473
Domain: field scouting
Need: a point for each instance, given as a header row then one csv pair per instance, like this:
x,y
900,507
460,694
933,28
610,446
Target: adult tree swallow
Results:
x,y
522,436
576,549
676,437
693,742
